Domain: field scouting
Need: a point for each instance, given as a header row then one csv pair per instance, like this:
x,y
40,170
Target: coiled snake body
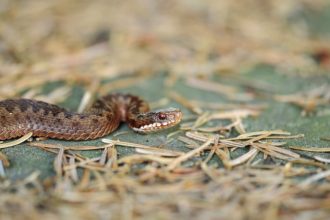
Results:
x,y
21,116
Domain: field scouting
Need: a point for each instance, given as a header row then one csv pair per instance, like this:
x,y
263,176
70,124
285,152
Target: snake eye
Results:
x,y
161,116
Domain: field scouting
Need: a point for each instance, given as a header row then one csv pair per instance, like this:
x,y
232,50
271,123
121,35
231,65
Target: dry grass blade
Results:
x,y
58,162
56,96
186,103
243,158
213,129
238,125
100,183
309,163
154,152
160,103
202,119
311,149
315,178
164,152
234,144
227,106
82,163
321,159
258,133
308,100
234,114
104,155
229,91
31,93
224,157
4,160
276,134
259,137
73,171
133,159
170,135
325,138
85,179
32,178
112,158
17,141
211,86
276,151
208,171
87,98
204,137
190,143
199,136
2,169
85,101
191,153
120,84
73,148
251,139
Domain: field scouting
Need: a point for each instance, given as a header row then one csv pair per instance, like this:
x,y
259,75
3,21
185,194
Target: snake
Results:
x,y
20,116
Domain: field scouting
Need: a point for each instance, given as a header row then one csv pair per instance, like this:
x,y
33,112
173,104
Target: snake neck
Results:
x,y
125,107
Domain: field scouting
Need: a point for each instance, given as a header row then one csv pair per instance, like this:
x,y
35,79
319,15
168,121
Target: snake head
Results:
x,y
157,120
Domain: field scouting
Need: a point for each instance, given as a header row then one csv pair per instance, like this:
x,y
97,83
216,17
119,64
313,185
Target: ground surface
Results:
x,y
240,55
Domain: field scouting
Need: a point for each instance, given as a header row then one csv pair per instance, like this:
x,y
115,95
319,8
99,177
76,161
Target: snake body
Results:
x,y
21,116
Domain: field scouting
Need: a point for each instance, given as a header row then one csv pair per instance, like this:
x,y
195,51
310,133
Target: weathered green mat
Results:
x,y
252,79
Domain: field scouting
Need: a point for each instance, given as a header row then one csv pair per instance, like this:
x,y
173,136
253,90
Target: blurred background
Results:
x,y
80,41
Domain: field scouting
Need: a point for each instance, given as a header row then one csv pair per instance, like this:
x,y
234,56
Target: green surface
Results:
x,y
318,23
26,159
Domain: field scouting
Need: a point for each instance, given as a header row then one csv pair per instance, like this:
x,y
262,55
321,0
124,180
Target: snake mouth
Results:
x,y
156,126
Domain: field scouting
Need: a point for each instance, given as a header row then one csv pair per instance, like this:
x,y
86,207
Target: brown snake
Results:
x,y
21,116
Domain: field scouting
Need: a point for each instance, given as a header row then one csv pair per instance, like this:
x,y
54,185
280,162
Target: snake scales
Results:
x,y
21,116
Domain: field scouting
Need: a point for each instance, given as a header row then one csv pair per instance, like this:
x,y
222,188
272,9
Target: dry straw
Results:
x,y
213,166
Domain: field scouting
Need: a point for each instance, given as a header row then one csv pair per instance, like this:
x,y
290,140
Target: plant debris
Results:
x,y
308,101
17,141
215,165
